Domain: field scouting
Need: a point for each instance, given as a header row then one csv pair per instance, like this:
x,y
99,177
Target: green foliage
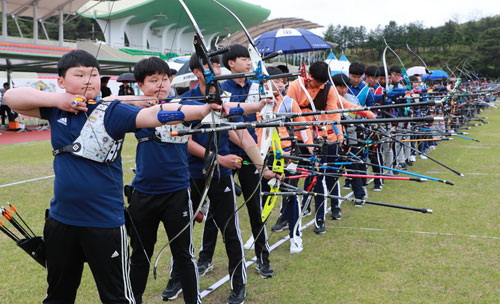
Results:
x,y
478,41
76,29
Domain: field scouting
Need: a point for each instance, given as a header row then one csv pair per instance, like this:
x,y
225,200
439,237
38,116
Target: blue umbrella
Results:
x,y
290,41
436,74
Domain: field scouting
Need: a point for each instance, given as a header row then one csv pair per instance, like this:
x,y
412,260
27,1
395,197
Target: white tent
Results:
x,y
340,65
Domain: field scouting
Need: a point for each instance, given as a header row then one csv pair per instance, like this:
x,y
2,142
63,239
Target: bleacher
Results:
x,y
33,48
135,52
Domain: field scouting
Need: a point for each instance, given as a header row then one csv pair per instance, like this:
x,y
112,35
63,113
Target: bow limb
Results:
x,y
212,93
262,75
421,59
403,69
278,168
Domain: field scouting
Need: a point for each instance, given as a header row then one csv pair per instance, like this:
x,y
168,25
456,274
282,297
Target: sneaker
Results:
x,y
320,227
409,162
172,290
250,244
237,295
395,172
366,193
336,215
402,166
423,156
432,148
264,270
377,188
204,267
359,203
307,213
281,224
346,186
413,158
296,245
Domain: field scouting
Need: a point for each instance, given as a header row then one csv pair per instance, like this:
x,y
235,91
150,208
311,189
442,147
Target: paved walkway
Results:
x,y
13,137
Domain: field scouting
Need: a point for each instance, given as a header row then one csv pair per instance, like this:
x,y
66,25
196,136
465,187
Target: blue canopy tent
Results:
x,y
331,56
435,75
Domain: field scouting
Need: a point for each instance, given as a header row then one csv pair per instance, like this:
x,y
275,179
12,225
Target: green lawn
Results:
x,y
373,255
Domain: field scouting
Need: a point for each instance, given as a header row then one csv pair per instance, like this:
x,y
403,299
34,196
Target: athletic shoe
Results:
x,y
172,290
264,270
320,227
365,196
250,244
395,172
281,224
413,158
204,267
423,156
347,185
336,215
359,203
402,166
237,295
377,188
409,162
308,213
296,245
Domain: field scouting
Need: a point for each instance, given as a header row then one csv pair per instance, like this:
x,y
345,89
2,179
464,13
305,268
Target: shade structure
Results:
x,y
290,41
436,74
126,77
178,62
417,70
338,66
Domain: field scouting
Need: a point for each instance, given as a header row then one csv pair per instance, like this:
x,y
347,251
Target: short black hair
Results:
x,y
194,62
341,80
76,58
395,69
150,66
413,78
272,70
371,71
357,68
283,68
319,71
235,51
173,72
5,83
381,71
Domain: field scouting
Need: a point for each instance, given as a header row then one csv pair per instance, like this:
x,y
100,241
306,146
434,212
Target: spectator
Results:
x,y
105,90
5,111
125,89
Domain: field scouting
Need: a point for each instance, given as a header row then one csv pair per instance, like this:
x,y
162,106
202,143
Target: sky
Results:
x,y
372,13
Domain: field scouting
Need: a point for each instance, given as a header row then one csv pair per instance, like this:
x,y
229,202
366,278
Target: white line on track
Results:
x,y
422,232
40,178
26,181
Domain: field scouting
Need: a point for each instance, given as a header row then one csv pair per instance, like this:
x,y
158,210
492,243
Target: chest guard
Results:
x,y
162,134
94,143
286,105
363,95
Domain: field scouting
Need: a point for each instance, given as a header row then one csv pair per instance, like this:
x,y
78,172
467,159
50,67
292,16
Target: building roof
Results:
x,y
210,17
269,25
46,8
30,58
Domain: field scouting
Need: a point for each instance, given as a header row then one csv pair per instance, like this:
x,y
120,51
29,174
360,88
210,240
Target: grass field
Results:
x,y
373,255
